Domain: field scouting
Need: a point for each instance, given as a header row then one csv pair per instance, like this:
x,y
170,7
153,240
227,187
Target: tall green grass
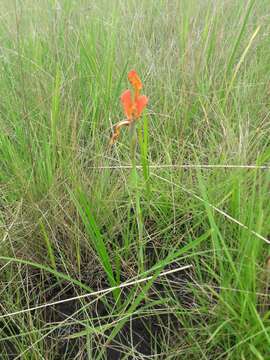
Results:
x,y
71,219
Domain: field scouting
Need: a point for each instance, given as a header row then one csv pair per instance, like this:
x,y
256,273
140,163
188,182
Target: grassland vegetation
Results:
x,y
162,257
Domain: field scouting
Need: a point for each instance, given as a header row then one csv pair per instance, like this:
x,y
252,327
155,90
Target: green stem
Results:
x,y
134,180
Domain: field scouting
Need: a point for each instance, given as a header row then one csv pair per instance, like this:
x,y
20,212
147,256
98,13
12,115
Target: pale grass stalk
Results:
x,y
229,217
185,166
96,293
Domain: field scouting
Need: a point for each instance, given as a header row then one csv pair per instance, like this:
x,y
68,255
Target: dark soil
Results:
x,y
136,334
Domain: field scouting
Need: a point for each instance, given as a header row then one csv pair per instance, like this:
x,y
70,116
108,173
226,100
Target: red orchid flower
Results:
x,y
133,105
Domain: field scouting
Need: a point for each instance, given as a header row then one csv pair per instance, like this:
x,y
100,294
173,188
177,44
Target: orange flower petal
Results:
x,y
135,81
141,103
127,103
